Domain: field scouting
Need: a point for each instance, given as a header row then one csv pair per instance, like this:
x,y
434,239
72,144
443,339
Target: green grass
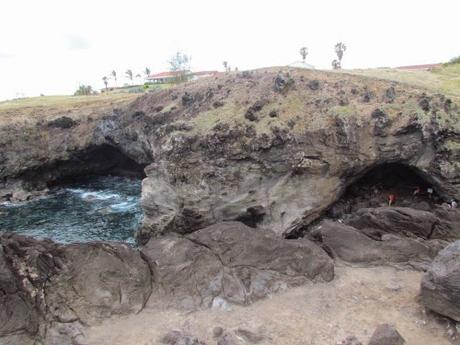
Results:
x,y
51,105
445,79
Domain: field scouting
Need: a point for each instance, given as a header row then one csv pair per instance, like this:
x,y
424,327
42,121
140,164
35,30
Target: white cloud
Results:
x,y
103,35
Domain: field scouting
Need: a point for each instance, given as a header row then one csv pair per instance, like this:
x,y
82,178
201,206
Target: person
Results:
x,y
430,192
391,199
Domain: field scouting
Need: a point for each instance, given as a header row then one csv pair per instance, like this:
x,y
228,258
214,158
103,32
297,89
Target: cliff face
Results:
x,y
275,150
271,148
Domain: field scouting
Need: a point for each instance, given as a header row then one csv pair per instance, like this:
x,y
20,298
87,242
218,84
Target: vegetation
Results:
x,y
226,67
303,53
454,60
180,65
48,106
445,79
339,50
106,82
129,75
114,76
147,72
84,90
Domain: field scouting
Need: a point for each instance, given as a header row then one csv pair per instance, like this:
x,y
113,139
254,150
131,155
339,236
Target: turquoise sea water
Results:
x,y
102,208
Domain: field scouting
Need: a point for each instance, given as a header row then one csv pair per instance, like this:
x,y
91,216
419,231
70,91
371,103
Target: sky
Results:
x,y
52,46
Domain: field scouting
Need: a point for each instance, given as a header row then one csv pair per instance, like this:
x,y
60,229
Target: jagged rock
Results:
x,y
350,244
66,287
253,109
227,339
249,336
313,84
63,122
226,164
396,220
350,340
98,280
283,83
440,289
177,337
217,332
386,334
232,262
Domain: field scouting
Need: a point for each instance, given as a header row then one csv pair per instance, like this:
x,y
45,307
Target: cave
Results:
x,y
102,160
373,187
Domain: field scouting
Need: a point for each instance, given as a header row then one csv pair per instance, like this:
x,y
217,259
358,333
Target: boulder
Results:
x,y
395,220
50,291
386,334
352,245
98,280
231,262
440,289
177,337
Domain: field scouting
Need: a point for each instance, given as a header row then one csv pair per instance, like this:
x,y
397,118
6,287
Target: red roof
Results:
x,y
173,74
162,75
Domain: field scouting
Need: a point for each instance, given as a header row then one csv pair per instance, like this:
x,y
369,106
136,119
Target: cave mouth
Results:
x,y
94,195
374,186
81,166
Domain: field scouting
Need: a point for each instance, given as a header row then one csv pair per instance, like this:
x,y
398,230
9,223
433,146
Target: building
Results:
x,y
170,77
162,78
301,64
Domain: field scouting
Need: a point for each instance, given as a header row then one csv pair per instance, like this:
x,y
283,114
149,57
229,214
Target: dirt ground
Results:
x,y
318,314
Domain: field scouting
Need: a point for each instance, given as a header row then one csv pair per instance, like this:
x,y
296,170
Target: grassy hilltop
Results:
x,y
445,79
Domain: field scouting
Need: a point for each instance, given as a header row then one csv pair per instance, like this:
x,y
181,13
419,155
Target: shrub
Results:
x,y
454,60
84,90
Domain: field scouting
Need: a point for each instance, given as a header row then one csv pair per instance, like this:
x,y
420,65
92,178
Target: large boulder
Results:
x,y
97,280
386,334
395,220
352,245
51,292
440,289
230,262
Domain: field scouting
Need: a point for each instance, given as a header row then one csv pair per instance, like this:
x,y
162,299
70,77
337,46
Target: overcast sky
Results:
x,y
52,46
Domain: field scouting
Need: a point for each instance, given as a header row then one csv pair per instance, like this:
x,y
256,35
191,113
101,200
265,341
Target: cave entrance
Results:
x,y
375,185
93,195
103,160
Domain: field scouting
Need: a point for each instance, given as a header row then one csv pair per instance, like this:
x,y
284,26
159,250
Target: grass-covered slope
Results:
x,y
445,79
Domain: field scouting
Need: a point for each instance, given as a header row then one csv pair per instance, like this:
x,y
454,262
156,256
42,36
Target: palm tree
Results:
x,y
106,82
147,72
225,63
339,49
114,76
303,53
129,75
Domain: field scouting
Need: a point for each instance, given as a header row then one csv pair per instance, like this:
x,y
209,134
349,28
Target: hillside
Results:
x,y
445,79
252,183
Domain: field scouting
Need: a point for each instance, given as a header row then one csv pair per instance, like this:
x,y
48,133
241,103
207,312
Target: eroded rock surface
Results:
x,y
232,263
237,161
440,290
397,236
386,334
51,292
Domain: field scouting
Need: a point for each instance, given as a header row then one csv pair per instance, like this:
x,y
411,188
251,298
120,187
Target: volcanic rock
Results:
x,y
231,261
440,290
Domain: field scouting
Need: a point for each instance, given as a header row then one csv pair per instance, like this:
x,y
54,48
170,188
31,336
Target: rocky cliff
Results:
x,y
273,148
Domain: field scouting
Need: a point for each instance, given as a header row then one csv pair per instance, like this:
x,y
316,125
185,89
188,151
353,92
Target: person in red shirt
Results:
x,y
391,199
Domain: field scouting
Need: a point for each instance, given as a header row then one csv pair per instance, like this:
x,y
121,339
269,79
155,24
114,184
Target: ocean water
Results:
x,y
101,208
